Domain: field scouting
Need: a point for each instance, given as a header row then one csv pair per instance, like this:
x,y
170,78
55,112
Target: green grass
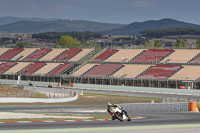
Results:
x,y
97,100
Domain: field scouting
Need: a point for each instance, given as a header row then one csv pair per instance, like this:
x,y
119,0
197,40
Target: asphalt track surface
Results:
x,y
155,122
149,120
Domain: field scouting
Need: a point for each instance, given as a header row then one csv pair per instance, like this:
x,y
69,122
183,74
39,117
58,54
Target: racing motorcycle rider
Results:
x,y
110,106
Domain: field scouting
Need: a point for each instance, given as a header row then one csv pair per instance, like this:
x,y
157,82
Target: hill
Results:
x,y
57,26
8,20
136,27
170,32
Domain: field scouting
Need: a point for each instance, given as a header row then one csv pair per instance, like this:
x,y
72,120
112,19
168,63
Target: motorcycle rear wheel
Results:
x,y
118,116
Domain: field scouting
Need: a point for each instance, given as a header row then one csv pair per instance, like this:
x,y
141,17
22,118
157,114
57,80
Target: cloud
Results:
x,y
142,3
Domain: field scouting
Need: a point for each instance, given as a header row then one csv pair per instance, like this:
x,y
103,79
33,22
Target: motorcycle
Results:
x,y
118,113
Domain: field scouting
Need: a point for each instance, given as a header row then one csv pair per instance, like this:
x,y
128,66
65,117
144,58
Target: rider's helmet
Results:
x,y
109,104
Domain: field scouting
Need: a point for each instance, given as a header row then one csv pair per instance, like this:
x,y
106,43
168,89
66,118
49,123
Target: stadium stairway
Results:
x,y
60,69
137,77
175,71
192,61
59,55
132,60
165,56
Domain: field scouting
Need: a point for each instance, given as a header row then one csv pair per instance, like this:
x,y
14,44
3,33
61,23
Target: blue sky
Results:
x,y
118,11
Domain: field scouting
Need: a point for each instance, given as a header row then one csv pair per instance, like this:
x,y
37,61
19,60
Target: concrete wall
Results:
x,y
37,100
22,82
155,108
139,89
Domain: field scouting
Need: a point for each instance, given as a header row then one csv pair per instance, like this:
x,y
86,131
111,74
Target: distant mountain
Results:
x,y
136,27
57,26
8,20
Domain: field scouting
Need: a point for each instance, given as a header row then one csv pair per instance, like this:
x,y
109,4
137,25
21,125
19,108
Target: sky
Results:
x,y
110,11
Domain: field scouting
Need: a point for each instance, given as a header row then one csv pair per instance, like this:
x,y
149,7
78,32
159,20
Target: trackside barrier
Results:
x,y
155,107
37,100
193,107
71,84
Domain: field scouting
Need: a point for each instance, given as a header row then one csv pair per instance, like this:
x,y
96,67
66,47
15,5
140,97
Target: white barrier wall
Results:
x,y
37,100
132,108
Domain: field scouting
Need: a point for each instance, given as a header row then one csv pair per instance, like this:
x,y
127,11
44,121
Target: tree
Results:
x,y
21,45
157,44
198,44
68,42
180,43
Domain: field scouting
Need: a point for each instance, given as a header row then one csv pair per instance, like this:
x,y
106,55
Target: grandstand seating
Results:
x,y
159,72
51,55
83,69
47,68
6,66
10,53
31,68
66,55
38,54
103,70
19,66
3,50
81,55
152,55
104,55
130,71
26,52
60,69
187,73
181,56
124,55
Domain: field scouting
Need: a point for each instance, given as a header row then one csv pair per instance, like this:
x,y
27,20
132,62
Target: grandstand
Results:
x,y
187,73
26,52
46,69
181,56
102,70
152,56
105,55
159,72
19,66
60,69
66,55
51,55
134,67
10,53
38,54
130,71
123,55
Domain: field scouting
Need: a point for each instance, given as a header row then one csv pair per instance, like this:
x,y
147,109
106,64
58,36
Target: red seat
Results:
x,y
103,70
38,54
11,53
66,55
152,55
60,69
160,72
5,66
104,55
31,68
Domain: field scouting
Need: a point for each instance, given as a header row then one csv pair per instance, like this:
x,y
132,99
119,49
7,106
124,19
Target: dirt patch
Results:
x,y
11,115
8,91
